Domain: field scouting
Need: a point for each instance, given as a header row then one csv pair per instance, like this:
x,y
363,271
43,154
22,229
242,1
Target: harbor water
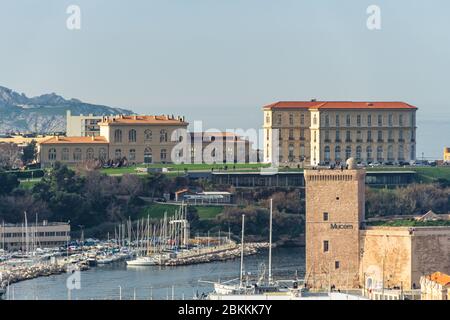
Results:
x,y
119,281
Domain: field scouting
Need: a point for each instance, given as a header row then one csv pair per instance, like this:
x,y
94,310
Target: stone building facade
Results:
x,y
315,132
138,139
342,251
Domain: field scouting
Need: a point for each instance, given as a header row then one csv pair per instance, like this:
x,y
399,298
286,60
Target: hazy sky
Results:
x,y
222,60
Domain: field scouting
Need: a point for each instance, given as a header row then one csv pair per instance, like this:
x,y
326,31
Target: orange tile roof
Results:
x,y
136,119
75,140
338,105
441,278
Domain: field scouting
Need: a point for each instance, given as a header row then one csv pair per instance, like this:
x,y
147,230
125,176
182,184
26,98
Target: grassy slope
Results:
x,y
156,211
409,223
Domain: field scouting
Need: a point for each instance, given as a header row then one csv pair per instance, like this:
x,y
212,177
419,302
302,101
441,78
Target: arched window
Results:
x,y
327,153
118,135
163,135
380,154
89,154
65,154
102,154
369,153
52,154
148,155
390,153
337,153
401,152
358,153
132,155
77,154
291,152
348,152
148,135
164,155
118,154
132,135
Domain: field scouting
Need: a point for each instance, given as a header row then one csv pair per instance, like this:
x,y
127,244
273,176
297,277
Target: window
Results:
x,y
336,264
380,154
327,135
358,153
325,216
132,155
89,154
327,153
302,134
148,135
291,119
118,154
327,121
349,120
163,135
358,120
52,154
279,119
338,136
148,156
118,136
164,154
401,152
348,152
337,153
369,153
291,152
348,137
390,135
369,120
380,136
326,246
380,120
77,154
400,135
400,119
390,153
132,135
291,134
302,150
102,154
337,121
358,136
65,154
390,120
302,119
369,136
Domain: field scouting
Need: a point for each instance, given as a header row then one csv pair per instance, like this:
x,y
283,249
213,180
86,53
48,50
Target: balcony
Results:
x,y
327,141
337,140
291,138
348,140
380,140
359,140
391,140
302,139
369,140
401,140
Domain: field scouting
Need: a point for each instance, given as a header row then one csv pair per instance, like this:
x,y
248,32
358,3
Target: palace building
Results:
x,y
344,252
320,132
138,139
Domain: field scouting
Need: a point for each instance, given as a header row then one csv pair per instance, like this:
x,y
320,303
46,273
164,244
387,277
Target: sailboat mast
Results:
x,y
270,242
242,251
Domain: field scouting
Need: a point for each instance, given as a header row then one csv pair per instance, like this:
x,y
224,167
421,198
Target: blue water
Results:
x,y
154,282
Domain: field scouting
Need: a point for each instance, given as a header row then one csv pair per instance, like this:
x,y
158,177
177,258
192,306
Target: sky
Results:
x,y
220,61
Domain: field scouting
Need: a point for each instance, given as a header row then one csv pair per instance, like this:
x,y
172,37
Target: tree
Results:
x,y
10,156
29,152
8,182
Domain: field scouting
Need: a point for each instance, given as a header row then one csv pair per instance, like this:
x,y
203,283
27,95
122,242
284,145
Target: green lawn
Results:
x,y
28,184
179,168
156,211
409,223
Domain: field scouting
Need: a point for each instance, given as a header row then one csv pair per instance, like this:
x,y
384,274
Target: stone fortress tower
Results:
x,y
335,210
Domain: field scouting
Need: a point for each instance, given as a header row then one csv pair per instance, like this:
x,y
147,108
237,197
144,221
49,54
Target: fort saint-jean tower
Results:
x,y
335,201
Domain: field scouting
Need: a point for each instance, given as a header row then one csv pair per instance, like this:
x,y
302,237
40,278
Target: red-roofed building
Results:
x,y
435,286
328,132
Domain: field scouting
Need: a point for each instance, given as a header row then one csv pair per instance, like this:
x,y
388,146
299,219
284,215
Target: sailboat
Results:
x,y
270,290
